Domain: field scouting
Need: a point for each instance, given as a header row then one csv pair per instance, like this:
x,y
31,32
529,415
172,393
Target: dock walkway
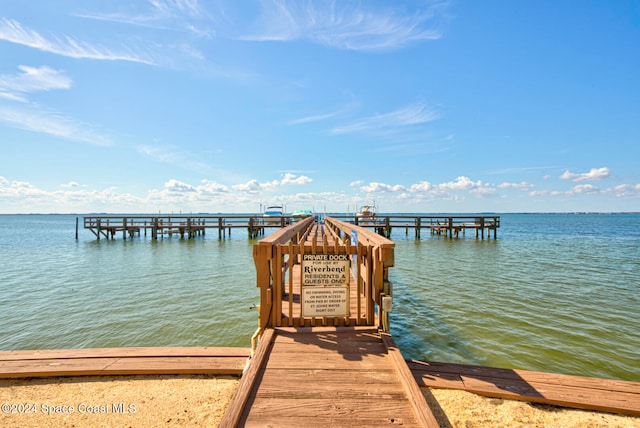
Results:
x,y
319,377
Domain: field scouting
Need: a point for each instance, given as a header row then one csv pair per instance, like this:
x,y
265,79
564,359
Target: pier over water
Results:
x,y
192,226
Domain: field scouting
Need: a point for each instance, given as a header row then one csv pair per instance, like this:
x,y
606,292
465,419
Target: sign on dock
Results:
x,y
325,285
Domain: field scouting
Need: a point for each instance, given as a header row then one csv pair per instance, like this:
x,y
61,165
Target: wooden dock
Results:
x,y
158,226
192,226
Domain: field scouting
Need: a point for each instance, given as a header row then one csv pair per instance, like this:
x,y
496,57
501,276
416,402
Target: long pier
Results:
x,y
192,226
129,226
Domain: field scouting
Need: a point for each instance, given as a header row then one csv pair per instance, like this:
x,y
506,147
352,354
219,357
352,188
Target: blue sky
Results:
x,y
226,106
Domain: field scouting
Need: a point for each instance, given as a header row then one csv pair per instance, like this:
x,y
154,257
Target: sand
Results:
x,y
200,400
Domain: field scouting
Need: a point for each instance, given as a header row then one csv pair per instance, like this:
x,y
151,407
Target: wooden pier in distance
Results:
x,y
192,226
189,226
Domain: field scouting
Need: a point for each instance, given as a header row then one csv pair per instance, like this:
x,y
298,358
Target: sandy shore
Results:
x,y
200,400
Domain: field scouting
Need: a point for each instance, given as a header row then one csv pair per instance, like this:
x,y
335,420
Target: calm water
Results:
x,y
554,292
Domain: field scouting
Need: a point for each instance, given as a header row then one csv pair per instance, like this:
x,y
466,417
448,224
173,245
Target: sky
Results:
x,y
221,106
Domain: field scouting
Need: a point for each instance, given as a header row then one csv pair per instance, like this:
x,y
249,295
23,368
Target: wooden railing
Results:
x,y
183,225
447,225
279,274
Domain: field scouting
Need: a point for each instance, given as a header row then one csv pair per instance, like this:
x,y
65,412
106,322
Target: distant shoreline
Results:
x,y
343,213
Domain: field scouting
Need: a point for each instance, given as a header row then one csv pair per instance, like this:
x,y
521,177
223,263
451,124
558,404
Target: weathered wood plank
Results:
x,y
418,403
321,389
322,421
558,389
446,369
556,394
121,366
300,360
241,397
123,352
303,376
349,409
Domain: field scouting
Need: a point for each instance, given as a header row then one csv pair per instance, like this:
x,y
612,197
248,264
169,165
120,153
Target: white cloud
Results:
x,y
314,118
33,118
32,79
583,188
71,185
174,185
592,175
174,155
415,114
381,188
421,187
211,187
211,196
251,186
172,15
292,179
461,183
484,191
538,193
254,186
12,31
523,185
346,25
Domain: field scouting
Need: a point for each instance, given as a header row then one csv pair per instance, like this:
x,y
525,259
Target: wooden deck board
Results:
x,y
558,389
122,361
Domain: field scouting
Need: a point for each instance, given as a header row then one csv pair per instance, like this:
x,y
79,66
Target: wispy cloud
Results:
x,y
32,118
347,25
19,112
32,79
187,16
313,118
415,114
175,155
14,32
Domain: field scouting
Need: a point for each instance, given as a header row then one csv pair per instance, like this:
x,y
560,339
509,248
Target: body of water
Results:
x,y
554,292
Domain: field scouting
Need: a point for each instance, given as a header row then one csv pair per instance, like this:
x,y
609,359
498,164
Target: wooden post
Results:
x,y
124,228
76,228
495,228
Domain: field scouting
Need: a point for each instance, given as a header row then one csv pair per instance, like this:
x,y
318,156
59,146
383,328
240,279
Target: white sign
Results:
x,y
325,285
325,269
325,301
